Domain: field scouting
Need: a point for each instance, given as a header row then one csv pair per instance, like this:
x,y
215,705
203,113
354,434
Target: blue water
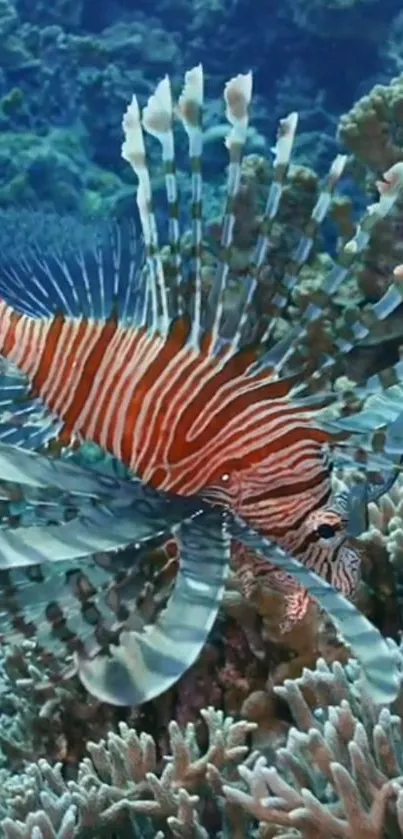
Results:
x,y
69,68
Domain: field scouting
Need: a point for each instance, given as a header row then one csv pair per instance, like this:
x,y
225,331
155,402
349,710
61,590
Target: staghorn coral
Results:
x,y
122,783
337,773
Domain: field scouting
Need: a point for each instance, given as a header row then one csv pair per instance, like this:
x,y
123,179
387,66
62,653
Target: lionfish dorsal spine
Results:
x,y
357,324
133,150
303,249
282,155
158,117
189,110
354,327
237,96
277,357
388,195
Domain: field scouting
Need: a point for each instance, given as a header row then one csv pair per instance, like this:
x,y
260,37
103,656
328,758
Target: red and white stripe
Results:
x,y
184,420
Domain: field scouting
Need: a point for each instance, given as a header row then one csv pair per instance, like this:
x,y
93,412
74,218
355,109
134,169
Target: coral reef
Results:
x,y
122,781
65,79
335,771
339,773
65,66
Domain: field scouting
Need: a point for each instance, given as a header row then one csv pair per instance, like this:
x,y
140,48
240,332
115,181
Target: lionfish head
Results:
x,y
328,550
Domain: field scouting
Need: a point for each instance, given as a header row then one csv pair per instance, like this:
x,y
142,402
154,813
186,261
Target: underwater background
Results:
x,y
270,733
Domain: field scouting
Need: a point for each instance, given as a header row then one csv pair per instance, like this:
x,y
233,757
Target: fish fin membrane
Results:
x,y
379,666
375,435
63,607
70,267
27,468
146,663
70,607
132,514
380,410
24,419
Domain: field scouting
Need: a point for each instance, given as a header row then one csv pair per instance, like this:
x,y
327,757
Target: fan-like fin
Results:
x,y
140,514
148,662
27,468
24,419
67,607
61,606
367,644
94,272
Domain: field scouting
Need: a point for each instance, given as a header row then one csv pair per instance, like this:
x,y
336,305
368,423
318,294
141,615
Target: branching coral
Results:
x,y
120,784
338,774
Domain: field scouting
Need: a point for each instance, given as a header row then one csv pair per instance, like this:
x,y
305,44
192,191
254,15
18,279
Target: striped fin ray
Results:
x,y
148,662
358,324
190,112
301,253
95,529
378,663
92,275
68,305
104,514
157,120
29,505
282,156
36,502
68,608
133,150
277,356
63,607
375,433
390,190
31,469
24,420
237,95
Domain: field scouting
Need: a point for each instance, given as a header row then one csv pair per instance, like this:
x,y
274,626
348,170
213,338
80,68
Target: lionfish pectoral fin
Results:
x,y
146,663
381,410
24,419
63,607
31,469
140,515
90,532
378,663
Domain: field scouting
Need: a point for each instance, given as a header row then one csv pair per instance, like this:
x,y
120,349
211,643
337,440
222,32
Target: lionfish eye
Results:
x,y
325,531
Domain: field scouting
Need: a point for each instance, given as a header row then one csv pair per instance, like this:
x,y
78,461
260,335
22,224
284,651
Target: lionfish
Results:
x,y
224,440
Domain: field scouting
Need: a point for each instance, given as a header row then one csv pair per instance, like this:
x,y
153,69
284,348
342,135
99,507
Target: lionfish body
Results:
x,y
224,442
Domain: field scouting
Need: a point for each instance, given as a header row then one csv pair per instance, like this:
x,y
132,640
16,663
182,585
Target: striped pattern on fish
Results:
x,y
118,353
